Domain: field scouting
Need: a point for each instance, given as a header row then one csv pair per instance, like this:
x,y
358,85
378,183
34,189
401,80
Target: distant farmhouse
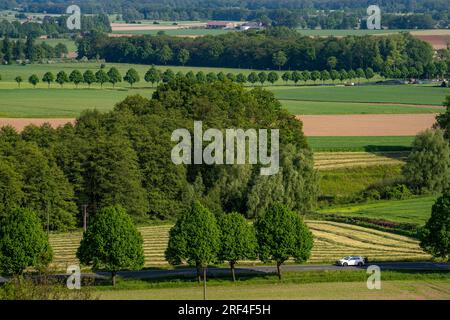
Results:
x,y
252,25
221,25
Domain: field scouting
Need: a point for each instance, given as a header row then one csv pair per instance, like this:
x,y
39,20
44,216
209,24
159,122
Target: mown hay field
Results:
x,y
335,160
332,241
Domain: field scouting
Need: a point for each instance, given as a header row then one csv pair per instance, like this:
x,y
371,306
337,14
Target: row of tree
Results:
x,y
155,76
274,48
199,238
12,51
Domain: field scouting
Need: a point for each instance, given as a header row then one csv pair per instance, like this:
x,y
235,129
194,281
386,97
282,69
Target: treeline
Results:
x,y
124,158
290,13
275,48
52,26
19,51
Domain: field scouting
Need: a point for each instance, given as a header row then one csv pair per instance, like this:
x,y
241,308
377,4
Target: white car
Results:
x,y
351,261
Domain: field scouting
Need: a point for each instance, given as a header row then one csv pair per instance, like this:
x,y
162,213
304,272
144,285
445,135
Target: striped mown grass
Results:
x,y
332,241
335,160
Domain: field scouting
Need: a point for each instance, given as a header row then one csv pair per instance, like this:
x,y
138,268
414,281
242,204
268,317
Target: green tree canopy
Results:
x,y
62,77
195,238
282,234
89,77
33,79
49,78
112,242
131,77
23,243
114,76
153,75
435,237
76,77
101,77
427,167
237,239
443,119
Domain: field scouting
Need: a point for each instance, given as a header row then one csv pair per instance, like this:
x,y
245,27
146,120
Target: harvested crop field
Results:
x,y
366,125
437,41
335,160
332,241
20,123
313,125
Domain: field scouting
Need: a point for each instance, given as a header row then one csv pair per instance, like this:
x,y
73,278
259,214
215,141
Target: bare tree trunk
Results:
x,y
199,277
113,278
279,270
232,264
204,283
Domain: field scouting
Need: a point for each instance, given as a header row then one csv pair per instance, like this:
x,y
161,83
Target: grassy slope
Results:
x,y
346,182
415,210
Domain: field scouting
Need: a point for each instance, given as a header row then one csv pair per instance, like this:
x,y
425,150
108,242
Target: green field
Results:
x,y
67,102
407,94
347,182
71,46
416,210
320,107
60,103
360,143
177,32
397,289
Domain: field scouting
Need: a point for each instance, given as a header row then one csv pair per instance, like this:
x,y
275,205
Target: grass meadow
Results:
x,y
416,210
391,290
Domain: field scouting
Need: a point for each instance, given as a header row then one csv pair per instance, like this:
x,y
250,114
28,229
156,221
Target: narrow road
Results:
x,y
248,270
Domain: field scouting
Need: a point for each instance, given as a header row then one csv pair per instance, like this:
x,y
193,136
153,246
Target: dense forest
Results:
x,y
124,158
18,51
53,27
292,13
277,48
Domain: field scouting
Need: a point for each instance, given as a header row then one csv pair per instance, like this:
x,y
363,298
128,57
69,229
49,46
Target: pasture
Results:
x,y
332,241
416,210
354,144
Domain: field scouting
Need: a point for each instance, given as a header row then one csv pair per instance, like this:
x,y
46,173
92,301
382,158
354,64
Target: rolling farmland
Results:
x,y
332,240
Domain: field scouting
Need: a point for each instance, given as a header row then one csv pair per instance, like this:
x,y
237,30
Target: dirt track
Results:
x,y
366,125
316,125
